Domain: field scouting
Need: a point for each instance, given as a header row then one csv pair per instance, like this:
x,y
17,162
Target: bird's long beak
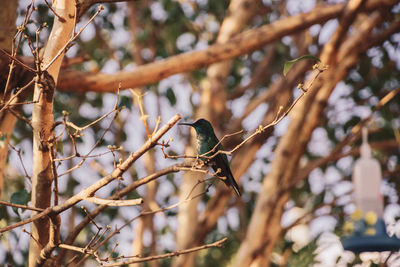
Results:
x,y
185,123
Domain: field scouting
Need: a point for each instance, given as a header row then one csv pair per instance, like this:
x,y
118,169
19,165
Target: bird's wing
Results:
x,y
221,166
220,161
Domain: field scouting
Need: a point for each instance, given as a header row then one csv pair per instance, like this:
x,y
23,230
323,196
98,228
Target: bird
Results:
x,y
206,140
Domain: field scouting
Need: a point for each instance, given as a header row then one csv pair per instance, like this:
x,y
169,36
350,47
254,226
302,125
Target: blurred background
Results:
x,y
295,177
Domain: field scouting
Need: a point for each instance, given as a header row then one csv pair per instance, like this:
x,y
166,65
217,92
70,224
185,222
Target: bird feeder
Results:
x,y
366,230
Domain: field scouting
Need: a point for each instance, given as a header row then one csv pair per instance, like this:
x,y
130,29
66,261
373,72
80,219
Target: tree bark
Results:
x,y
240,44
43,121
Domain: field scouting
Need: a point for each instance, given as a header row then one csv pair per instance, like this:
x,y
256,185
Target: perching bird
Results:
x,y
206,141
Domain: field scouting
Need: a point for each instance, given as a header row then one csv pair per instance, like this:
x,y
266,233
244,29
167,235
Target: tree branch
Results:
x,y
102,182
19,206
242,43
171,254
114,202
42,124
123,192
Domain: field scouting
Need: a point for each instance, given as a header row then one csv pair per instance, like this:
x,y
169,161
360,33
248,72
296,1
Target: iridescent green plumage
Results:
x,y
206,141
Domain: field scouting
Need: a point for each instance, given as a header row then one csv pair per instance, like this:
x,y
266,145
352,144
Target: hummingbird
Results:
x,y
206,141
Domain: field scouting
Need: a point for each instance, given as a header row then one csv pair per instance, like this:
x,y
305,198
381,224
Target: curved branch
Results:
x,y
171,254
242,43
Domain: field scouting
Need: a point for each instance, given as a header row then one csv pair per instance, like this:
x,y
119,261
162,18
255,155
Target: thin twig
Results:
x,y
32,237
143,116
53,154
19,206
90,218
54,12
20,117
146,213
14,49
81,129
17,60
319,68
217,244
78,134
62,50
279,117
89,191
16,94
18,151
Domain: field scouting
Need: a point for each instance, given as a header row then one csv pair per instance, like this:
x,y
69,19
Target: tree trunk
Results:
x,y
43,121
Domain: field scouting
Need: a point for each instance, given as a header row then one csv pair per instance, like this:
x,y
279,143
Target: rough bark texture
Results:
x,y
43,121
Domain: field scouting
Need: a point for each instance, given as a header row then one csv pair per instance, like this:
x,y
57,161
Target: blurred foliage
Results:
x,y
305,256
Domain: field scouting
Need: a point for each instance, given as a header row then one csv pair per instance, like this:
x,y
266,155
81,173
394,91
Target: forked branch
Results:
x,y
88,192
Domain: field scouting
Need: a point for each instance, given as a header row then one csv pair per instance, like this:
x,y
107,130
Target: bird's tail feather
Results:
x,y
235,186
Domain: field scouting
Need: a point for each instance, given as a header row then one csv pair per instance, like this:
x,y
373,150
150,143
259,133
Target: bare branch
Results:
x,y
18,151
61,51
318,69
10,101
123,192
102,182
349,139
217,244
242,43
142,214
16,45
17,60
115,203
19,206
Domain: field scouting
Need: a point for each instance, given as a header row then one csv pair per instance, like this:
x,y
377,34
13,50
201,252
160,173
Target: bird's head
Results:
x,y
201,126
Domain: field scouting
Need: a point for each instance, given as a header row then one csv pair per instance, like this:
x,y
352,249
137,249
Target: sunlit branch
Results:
x,y
217,244
115,203
146,213
318,69
87,192
62,50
